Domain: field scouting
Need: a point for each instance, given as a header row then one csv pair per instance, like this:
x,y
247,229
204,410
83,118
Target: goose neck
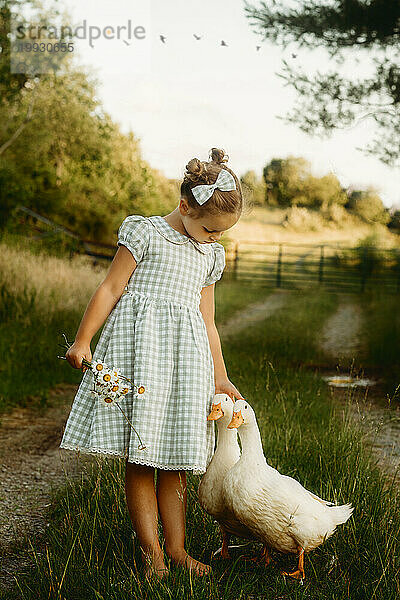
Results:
x,y
226,437
251,441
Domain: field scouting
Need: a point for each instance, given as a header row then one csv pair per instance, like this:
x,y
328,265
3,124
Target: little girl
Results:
x,y
161,334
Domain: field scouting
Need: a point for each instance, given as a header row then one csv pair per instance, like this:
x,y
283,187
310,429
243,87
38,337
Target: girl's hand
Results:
x,y
224,386
76,353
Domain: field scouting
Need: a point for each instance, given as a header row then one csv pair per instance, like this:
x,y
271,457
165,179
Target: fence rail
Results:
x,y
332,266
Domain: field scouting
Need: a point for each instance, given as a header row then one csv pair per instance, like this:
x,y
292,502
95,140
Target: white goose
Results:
x,y
276,508
225,456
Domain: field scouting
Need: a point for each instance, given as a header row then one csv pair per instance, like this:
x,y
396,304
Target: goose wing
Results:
x,y
296,486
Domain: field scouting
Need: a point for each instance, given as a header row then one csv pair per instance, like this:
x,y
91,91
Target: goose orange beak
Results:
x,y
237,420
216,412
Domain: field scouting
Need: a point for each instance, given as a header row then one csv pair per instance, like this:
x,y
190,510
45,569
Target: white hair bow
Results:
x,y
225,182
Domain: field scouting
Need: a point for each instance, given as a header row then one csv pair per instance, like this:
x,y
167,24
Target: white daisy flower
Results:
x,y
105,376
108,398
98,366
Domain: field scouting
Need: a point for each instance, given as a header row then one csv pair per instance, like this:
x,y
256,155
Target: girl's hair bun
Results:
x,y
206,172
196,171
218,155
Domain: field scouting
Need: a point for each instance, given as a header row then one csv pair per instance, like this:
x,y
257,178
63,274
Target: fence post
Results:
x,y
321,265
278,269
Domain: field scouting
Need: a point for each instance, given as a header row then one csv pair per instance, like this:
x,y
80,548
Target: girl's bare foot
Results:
x,y
181,557
151,572
154,567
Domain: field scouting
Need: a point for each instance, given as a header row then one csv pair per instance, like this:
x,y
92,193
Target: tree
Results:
x,y
367,205
290,183
254,187
284,179
324,192
75,165
346,29
394,222
68,160
10,83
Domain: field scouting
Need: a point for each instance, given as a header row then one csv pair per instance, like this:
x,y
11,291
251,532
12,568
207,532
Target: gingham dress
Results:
x,y
156,336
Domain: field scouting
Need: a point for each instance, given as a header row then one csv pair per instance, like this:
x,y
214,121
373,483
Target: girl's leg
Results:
x,y
172,499
143,511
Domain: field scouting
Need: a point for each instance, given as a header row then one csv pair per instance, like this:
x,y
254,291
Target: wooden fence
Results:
x,y
298,266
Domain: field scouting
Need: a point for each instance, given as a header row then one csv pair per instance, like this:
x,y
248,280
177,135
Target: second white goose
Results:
x,y
276,508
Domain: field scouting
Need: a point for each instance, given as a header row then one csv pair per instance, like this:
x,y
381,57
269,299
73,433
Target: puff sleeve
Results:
x,y
217,266
134,234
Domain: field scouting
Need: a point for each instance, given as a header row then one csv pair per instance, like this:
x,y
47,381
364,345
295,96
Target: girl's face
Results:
x,y
207,229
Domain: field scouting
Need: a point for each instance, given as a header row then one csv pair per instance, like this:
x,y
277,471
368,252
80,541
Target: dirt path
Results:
x,y
33,465
253,313
341,339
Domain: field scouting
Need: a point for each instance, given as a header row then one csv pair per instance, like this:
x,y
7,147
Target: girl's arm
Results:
x,y
207,308
100,305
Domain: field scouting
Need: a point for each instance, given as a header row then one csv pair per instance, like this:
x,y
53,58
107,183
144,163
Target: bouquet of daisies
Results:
x,y
109,385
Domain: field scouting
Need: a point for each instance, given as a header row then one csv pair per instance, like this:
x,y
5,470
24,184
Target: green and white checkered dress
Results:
x,y
157,337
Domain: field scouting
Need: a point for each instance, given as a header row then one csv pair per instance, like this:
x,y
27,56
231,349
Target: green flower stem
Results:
x,y
123,412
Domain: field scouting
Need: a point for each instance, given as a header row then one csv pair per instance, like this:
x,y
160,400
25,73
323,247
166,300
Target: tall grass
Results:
x,y
41,297
90,551
58,283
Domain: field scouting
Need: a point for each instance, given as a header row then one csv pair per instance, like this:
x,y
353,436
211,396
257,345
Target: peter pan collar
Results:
x,y
170,234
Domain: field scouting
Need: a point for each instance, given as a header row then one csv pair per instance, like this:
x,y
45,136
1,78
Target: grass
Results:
x,y
381,334
233,296
89,546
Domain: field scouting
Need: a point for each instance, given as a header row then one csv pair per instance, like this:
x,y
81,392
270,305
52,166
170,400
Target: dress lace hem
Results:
x,y
197,470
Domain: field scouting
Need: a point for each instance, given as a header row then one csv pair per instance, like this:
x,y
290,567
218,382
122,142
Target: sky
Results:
x,y
182,96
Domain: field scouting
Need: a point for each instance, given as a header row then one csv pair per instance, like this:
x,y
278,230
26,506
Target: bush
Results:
x,y
394,222
337,215
302,219
368,206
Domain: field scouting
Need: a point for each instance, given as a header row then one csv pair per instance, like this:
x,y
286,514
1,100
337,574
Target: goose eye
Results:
x,y
245,405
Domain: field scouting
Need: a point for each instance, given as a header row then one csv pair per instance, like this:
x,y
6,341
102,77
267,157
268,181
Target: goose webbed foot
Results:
x,y
263,559
299,573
